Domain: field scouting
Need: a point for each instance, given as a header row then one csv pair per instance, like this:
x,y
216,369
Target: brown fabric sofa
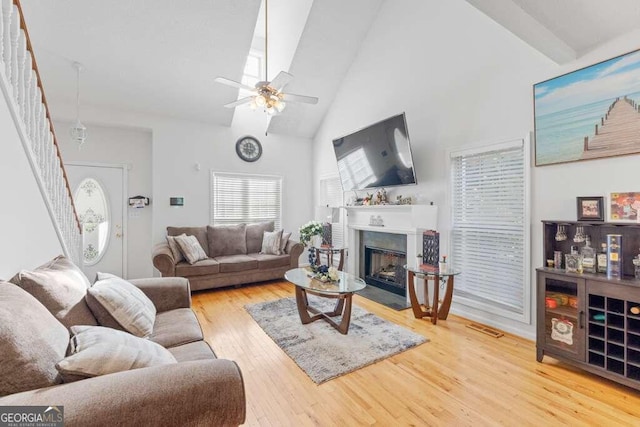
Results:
x,y
198,390
234,256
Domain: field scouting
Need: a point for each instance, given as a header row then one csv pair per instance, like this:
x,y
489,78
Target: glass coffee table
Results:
x,y
342,290
435,309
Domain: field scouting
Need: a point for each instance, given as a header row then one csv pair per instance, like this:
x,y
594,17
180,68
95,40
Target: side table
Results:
x,y
329,252
434,309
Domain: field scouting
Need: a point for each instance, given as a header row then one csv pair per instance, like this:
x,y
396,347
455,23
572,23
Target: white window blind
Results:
x,y
331,195
241,198
489,227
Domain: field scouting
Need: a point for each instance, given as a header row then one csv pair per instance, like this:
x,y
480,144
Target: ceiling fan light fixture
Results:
x,y
260,100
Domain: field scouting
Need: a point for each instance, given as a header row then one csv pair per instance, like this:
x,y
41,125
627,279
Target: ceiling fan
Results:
x,y
267,94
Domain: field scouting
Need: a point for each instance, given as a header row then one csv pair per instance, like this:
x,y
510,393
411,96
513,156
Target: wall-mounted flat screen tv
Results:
x,y
376,156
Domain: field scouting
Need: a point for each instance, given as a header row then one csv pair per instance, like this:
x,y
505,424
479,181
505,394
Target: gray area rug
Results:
x,y
321,351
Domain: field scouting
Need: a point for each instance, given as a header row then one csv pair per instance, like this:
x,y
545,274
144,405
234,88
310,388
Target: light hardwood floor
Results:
x,y
461,377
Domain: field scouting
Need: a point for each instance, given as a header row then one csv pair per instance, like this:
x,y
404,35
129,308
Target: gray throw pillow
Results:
x,y
96,350
227,240
191,248
175,249
254,235
32,341
61,287
116,300
284,241
271,242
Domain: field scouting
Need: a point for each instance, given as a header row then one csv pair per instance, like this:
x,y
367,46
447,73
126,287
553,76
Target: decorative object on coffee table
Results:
x,y
323,353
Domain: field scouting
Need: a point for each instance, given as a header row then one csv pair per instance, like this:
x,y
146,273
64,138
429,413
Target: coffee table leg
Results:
x,y
303,304
343,327
338,308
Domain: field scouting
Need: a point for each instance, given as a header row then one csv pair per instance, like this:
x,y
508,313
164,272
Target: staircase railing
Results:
x,y
22,87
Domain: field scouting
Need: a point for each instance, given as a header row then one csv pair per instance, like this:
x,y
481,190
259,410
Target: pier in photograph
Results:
x,y
617,133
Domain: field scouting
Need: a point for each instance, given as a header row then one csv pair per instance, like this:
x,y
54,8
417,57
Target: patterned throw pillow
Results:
x,y
191,248
283,242
116,299
175,249
271,242
96,350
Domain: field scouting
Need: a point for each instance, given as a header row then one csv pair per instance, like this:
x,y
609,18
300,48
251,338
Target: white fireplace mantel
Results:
x,y
410,220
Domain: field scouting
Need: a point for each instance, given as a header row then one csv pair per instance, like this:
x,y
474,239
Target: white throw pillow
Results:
x,y
127,304
283,242
175,249
96,350
271,242
191,248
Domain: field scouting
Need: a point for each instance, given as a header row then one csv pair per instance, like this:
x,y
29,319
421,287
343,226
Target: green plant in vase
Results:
x,y
310,229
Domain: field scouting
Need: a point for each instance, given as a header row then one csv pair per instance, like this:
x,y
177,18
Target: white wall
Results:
x,y
461,79
112,145
27,233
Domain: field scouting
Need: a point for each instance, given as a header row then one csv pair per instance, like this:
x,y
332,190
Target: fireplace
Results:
x,y
382,259
384,269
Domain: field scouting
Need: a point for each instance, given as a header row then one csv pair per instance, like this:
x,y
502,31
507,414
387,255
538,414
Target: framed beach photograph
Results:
x,y
624,206
590,208
589,113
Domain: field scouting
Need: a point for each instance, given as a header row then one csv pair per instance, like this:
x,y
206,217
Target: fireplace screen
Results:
x,y
385,269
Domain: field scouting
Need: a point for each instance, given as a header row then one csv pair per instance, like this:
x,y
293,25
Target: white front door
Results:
x,y
98,193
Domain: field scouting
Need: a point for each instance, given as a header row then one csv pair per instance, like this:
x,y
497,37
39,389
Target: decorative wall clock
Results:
x,y
248,148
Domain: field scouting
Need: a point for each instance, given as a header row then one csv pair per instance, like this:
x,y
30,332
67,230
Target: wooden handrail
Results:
x,y
23,25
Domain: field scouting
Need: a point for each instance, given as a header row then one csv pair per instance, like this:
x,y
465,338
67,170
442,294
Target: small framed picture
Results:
x,y
590,208
624,206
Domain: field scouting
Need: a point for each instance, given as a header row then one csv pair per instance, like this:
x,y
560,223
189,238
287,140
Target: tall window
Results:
x,y
331,195
253,71
490,228
241,198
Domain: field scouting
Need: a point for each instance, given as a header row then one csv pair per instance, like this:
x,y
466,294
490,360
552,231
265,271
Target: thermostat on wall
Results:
x,y
176,201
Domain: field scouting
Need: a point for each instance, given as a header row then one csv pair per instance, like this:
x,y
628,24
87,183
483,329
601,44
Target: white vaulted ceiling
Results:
x,y
161,56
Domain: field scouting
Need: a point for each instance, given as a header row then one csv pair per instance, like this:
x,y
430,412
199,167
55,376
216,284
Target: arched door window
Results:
x,y
93,210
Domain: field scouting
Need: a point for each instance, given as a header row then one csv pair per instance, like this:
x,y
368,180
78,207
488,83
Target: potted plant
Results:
x,y
310,229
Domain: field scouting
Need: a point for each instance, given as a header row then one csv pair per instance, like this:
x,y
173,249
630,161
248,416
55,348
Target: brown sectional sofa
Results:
x,y
234,256
198,390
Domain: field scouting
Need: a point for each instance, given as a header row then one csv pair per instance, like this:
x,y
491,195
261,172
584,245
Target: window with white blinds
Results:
x,y
331,195
241,198
490,232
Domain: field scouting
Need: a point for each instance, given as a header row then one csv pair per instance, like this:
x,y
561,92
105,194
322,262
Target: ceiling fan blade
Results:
x,y
239,102
282,79
228,82
299,98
